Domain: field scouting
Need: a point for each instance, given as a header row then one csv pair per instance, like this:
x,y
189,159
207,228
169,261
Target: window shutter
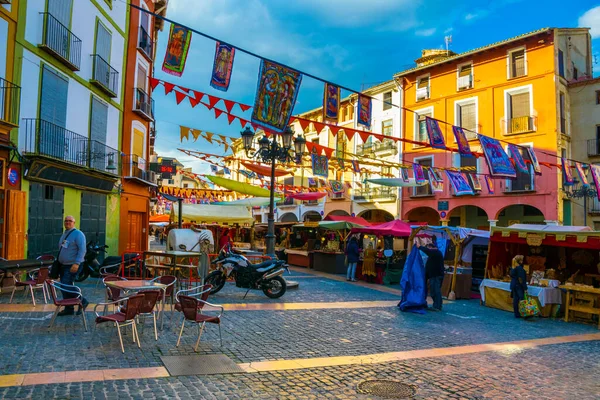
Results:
x,y
53,105
519,105
145,22
465,70
423,82
141,78
518,63
61,10
468,117
103,39
138,143
561,64
99,124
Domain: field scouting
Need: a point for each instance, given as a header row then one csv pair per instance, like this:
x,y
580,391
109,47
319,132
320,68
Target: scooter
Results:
x,y
110,265
265,276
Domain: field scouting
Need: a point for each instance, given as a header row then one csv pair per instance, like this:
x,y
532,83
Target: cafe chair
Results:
x,y
201,291
75,301
170,281
113,294
37,280
148,307
191,308
124,317
103,272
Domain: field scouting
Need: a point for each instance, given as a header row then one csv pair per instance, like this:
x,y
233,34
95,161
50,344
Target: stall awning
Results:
x,y
249,202
239,187
308,196
159,218
548,235
395,228
347,218
338,225
208,214
265,170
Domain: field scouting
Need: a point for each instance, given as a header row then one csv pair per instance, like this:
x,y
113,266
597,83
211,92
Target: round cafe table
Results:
x,y
139,285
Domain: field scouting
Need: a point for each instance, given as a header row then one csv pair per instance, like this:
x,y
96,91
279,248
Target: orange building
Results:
x,y
138,182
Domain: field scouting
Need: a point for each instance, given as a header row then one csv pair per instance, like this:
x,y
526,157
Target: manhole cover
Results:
x,y
386,389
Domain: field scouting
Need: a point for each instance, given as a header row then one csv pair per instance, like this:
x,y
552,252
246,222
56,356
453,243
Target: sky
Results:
x,y
353,43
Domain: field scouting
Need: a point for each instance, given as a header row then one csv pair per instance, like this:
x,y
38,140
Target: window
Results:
x,y
170,181
424,190
563,119
315,140
420,126
524,180
98,129
387,128
466,117
185,185
575,73
142,78
423,88
463,162
465,76
517,63
597,96
561,63
518,108
52,140
387,101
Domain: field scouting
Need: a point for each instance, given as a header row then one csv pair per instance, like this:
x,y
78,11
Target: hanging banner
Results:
x,y
222,67
498,162
567,175
320,165
364,111
331,103
436,139
459,184
475,183
275,96
595,169
247,174
517,157
436,186
434,175
336,186
419,174
582,175
534,161
340,163
355,166
177,50
461,140
490,184
404,174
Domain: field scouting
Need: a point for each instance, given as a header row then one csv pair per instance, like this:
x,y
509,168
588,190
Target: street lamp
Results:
x,y
270,151
577,192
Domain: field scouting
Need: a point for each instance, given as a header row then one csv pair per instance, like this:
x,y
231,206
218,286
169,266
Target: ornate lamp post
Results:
x,y
270,151
578,191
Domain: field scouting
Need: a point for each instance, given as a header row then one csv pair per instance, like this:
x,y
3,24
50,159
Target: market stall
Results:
x,y
303,240
554,255
329,256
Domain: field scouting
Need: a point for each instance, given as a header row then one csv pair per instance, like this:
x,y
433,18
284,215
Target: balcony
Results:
x,y
593,146
145,43
465,82
104,76
144,105
135,166
43,138
370,195
4,1
337,196
60,42
388,146
423,93
10,100
520,125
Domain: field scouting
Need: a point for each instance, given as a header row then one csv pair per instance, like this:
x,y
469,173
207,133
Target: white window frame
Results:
x,y
458,67
509,58
462,102
416,161
428,86
508,182
518,90
416,124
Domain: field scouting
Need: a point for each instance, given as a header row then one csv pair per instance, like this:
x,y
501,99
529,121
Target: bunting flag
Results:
x,y
178,46
436,139
475,183
214,168
517,157
459,184
276,94
208,136
534,161
336,186
355,166
341,164
320,165
184,132
404,174
498,162
490,184
434,175
582,175
227,171
595,169
222,66
364,111
247,174
419,174
195,134
331,103
436,186
461,140
567,174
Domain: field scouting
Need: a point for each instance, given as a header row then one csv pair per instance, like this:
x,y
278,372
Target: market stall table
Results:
x,y
138,285
496,294
175,267
330,262
581,308
300,258
462,288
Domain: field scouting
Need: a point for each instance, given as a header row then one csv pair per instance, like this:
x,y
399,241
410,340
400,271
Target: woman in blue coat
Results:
x,y
352,257
518,283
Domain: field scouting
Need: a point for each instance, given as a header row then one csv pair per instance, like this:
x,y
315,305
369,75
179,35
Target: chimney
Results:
x,y
432,56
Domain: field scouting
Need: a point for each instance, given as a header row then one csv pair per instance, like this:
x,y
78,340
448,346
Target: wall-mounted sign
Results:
x,y
533,239
443,214
169,169
13,176
442,206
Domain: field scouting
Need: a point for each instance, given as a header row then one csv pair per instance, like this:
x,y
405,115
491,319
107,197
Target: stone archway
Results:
x,y
469,216
423,214
342,213
288,217
311,216
520,214
376,216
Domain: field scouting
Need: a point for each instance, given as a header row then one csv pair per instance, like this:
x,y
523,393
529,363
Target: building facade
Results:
x,y
510,90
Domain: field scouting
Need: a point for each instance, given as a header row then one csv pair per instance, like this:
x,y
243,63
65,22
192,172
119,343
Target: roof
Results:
x,y
474,51
584,82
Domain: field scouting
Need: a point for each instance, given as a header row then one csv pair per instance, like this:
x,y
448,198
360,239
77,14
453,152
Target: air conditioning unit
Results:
x,y
337,196
422,93
464,82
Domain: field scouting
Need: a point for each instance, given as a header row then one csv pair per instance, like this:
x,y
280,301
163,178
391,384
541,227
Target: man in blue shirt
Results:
x,y
72,247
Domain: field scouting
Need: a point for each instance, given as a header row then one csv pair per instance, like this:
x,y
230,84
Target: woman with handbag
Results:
x,y
518,283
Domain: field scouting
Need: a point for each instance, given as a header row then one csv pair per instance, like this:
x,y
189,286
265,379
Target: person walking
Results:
x,y
72,245
352,257
518,283
434,272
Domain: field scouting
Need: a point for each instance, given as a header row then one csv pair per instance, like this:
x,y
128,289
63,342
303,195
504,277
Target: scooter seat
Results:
x,y
264,266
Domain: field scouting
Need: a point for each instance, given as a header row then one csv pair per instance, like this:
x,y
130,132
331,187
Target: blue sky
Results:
x,y
354,43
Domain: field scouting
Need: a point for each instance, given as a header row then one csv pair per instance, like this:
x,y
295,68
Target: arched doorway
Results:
x,y
376,216
342,213
520,214
469,217
288,217
423,214
311,216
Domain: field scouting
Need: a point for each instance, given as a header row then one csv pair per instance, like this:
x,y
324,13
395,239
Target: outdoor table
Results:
x,y
139,285
462,288
299,258
13,266
496,294
581,308
173,256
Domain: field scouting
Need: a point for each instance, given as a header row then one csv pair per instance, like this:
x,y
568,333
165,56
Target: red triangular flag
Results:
x,y
186,90
334,129
244,107
205,105
310,146
154,82
318,126
198,95
194,102
364,135
254,126
303,123
179,96
349,133
218,112
230,118
328,152
243,122
168,87
212,100
228,104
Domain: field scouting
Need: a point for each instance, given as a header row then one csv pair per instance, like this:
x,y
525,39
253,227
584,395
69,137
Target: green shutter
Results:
x,y
61,10
53,105
103,39
99,124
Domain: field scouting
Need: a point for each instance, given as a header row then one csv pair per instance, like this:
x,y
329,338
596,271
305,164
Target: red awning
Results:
x,y
159,218
264,170
395,228
308,196
348,218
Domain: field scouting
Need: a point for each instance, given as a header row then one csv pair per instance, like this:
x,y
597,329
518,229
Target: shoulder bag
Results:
x,y
54,272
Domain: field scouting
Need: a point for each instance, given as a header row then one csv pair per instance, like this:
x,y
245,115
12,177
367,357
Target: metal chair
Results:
x,y
72,302
103,271
37,280
170,281
148,307
113,294
192,311
201,291
124,317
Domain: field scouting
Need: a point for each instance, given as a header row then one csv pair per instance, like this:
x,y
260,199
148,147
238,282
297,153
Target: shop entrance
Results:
x,y
45,219
136,232
93,217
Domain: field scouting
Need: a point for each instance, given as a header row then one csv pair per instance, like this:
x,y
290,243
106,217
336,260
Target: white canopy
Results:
x,y
208,214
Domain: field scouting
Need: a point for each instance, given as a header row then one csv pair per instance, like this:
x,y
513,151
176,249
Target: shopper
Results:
x,y
434,272
352,257
72,247
518,283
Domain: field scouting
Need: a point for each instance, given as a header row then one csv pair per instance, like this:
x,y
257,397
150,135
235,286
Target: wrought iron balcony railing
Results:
x,y
105,76
44,138
373,194
144,104
145,43
135,166
10,101
61,42
520,125
593,146
387,146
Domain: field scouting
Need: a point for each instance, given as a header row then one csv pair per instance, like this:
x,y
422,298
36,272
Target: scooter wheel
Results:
x,y
217,280
275,288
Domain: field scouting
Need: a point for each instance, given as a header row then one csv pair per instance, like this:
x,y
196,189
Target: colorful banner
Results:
x,y
496,158
404,174
364,111
434,175
534,161
436,186
595,169
247,174
331,103
461,140
567,174
436,138
275,95
320,165
336,186
355,166
490,184
419,174
222,66
177,50
459,184
475,183
341,164
582,175
517,157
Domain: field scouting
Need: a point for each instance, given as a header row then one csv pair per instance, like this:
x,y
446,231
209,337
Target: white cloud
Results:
x,y
591,19
426,32
449,30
